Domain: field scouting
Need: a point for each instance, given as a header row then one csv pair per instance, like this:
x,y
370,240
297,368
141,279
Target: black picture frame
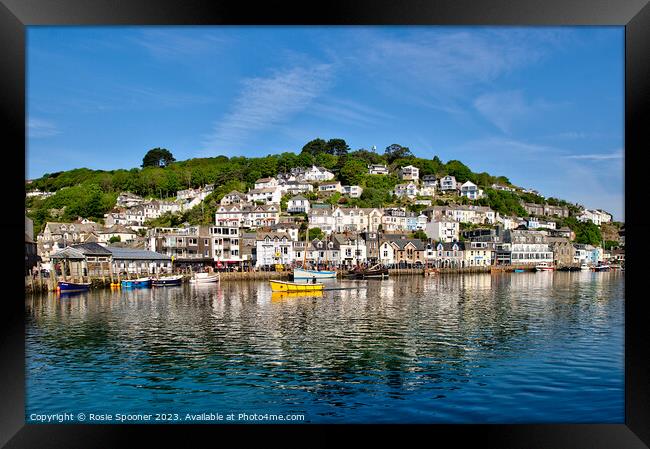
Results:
x,y
15,15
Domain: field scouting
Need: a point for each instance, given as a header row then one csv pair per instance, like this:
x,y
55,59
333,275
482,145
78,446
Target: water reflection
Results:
x,y
517,347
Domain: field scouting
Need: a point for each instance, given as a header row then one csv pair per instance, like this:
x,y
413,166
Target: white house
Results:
x,y
266,183
443,230
352,249
596,216
356,219
535,223
273,248
448,183
267,195
321,218
330,187
409,173
352,191
409,190
377,169
501,187
471,191
463,213
233,197
386,253
295,187
317,174
298,204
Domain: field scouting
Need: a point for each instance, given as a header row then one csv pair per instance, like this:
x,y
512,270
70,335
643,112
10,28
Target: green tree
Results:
x,y
337,147
157,157
396,151
420,235
316,233
352,172
114,239
315,147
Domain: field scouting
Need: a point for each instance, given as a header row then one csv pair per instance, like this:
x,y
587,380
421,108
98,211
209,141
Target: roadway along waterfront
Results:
x,y
471,348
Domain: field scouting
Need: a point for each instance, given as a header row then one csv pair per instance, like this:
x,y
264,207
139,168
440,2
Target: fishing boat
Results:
x,y
205,278
544,266
601,268
282,286
65,287
374,272
167,281
140,282
300,273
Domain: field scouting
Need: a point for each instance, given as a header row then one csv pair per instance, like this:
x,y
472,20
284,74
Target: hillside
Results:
x,y
91,193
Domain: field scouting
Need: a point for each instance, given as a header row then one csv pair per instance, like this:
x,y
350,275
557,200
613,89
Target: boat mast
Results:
x,y
304,256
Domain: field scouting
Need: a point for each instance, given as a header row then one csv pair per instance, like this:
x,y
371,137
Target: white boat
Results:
x,y
300,273
584,267
544,266
205,278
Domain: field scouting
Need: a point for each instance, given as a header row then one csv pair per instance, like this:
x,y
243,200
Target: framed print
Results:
x,y
369,217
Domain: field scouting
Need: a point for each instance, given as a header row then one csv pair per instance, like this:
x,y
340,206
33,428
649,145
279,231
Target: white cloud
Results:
x,y
618,154
266,102
39,128
175,42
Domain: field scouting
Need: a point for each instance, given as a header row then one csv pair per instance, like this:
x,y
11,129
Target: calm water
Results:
x,y
523,347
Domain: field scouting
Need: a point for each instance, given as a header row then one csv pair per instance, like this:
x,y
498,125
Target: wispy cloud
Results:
x,y
618,154
175,43
39,128
445,64
268,101
349,112
506,108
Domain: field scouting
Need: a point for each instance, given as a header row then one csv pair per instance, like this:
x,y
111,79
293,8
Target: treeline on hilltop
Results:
x,y
91,193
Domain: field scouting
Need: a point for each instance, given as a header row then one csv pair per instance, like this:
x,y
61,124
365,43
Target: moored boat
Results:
x,y
167,281
301,273
601,268
283,286
374,272
65,287
544,266
205,278
140,282
584,267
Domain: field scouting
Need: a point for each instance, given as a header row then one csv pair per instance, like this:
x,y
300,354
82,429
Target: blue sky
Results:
x,y
543,106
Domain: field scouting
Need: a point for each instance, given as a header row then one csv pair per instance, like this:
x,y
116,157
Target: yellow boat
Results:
x,y
279,296
281,286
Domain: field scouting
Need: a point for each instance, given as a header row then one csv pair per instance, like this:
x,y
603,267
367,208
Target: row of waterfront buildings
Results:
x,y
252,229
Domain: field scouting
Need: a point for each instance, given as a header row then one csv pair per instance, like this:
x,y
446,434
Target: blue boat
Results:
x,y
167,281
519,270
140,282
300,273
65,287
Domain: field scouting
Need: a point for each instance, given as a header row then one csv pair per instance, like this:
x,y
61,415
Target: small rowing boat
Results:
x,y
205,278
65,287
282,286
140,282
167,281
